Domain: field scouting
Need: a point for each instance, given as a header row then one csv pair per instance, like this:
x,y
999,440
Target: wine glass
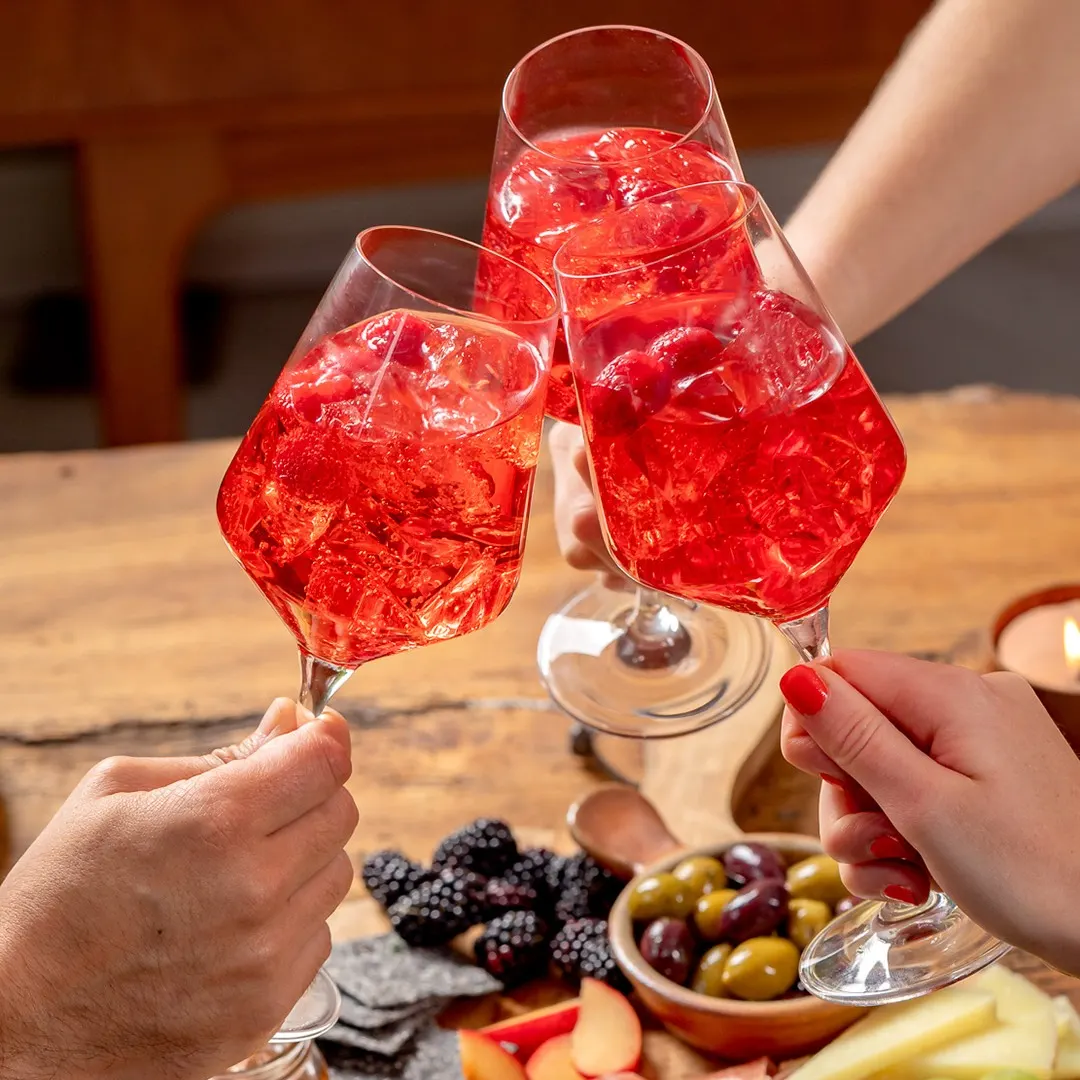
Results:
x,y
379,498
742,458
594,121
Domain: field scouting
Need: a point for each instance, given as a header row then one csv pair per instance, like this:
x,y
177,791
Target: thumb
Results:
x,y
854,734
146,774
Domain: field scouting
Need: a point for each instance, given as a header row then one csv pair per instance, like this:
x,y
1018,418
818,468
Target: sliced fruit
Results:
x,y
484,1059
895,1033
1025,1038
607,1036
521,1035
1067,1018
552,1061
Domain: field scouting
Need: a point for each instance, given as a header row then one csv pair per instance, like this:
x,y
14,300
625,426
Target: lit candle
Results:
x,y
1043,645
1038,637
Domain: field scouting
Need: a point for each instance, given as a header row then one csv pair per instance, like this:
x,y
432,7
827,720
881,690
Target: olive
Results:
x,y
659,895
709,977
846,904
702,874
667,946
817,878
806,919
755,911
761,969
748,861
709,913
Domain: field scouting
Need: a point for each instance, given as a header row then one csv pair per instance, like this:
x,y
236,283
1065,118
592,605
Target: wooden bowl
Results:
x,y
738,1030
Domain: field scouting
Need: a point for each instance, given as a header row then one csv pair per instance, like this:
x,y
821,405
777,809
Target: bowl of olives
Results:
x,y
711,940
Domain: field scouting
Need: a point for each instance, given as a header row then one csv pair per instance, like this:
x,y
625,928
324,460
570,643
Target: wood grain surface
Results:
x,y
129,629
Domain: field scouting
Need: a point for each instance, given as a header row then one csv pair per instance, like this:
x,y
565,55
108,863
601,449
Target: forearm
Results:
x,y
975,128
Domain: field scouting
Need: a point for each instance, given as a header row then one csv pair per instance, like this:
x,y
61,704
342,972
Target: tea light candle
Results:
x,y
1043,645
1038,637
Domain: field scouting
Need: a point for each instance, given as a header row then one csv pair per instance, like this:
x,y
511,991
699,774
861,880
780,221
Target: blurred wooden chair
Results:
x,y
178,108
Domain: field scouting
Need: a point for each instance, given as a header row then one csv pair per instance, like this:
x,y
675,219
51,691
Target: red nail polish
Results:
x,y
901,893
831,780
889,847
804,690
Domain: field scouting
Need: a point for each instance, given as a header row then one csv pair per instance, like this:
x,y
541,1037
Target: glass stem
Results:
x,y
654,638
893,911
809,634
319,681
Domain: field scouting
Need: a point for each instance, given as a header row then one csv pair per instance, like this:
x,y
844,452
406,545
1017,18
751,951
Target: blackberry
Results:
x,y
531,869
502,895
438,910
388,876
598,962
486,847
569,943
513,947
588,890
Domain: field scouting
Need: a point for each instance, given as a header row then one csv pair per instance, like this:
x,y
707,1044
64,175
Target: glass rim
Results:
x,y
750,203
711,96
435,234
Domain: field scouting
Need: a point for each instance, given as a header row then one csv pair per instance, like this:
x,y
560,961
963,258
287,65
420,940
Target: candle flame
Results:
x,y
1072,644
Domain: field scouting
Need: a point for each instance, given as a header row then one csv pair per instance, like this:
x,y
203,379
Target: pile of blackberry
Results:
x,y
539,909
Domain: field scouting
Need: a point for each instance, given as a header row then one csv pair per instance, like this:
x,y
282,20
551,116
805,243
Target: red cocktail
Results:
x,y
559,183
379,497
741,455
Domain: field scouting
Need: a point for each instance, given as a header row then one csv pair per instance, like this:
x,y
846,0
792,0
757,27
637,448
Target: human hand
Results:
x,y
174,910
577,522
939,773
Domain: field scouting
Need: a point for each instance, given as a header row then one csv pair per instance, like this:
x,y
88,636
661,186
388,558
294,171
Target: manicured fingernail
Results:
x,y
900,893
831,780
804,690
889,847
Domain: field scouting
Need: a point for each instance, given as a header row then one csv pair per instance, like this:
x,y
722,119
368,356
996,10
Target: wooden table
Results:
x,y
129,629
177,109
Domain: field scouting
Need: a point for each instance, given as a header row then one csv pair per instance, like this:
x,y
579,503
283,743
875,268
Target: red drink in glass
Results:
x,y
379,498
560,182
752,459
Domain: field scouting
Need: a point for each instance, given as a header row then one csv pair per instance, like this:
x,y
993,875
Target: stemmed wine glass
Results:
x,y
593,121
741,458
379,498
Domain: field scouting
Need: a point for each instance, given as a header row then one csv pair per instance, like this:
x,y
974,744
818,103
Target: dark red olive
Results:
x,y
747,861
756,911
667,946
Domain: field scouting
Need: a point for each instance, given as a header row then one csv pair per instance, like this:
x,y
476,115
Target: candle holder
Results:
x,y
1034,648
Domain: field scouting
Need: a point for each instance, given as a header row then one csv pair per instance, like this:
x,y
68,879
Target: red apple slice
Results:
x,y
484,1059
521,1035
607,1036
552,1061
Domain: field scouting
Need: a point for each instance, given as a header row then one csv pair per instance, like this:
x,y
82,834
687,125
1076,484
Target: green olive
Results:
x,y
659,895
761,969
709,911
816,878
806,919
702,874
709,977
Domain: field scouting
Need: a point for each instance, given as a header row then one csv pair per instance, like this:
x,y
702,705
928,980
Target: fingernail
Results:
x,y
271,723
804,690
901,893
831,780
889,847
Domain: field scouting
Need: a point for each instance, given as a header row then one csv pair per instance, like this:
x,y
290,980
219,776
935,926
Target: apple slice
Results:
x,y
607,1036
552,1061
522,1035
484,1059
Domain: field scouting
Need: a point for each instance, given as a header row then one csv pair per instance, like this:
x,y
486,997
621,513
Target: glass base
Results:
x,y
884,952
314,1014
713,664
